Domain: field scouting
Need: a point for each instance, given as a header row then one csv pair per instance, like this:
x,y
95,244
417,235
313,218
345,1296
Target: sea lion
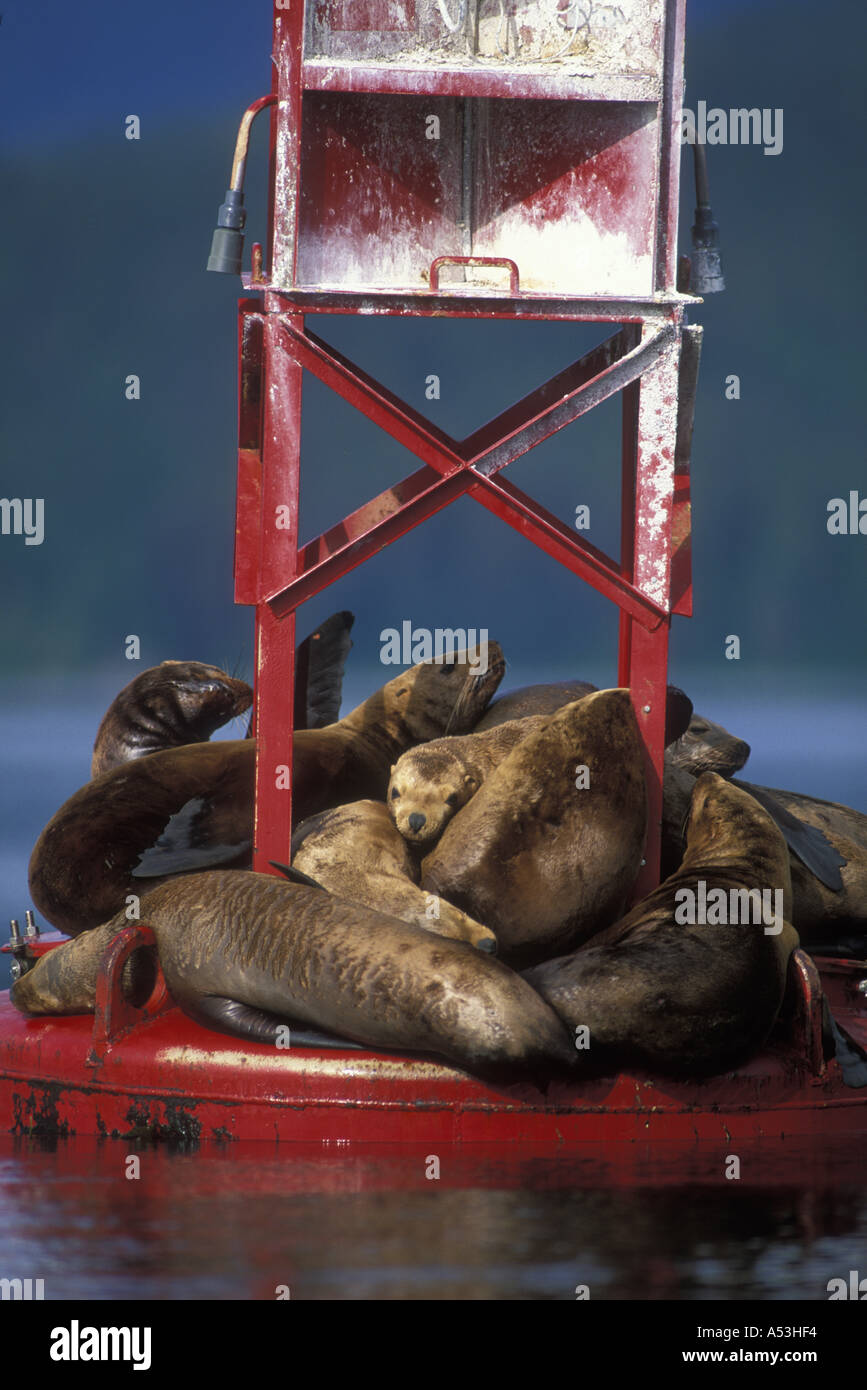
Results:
x,y
242,952
686,998
167,706
532,699
63,981
827,846
191,807
430,783
545,854
356,853
819,911
707,747
551,697
182,702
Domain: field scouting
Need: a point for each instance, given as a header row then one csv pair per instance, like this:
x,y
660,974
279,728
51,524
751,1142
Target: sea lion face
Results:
x,y
204,696
427,787
448,696
708,747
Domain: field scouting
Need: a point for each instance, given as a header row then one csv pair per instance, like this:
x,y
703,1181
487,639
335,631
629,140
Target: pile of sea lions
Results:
x,y
460,875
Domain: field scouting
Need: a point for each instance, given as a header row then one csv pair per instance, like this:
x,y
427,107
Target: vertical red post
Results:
x,y
644,652
278,561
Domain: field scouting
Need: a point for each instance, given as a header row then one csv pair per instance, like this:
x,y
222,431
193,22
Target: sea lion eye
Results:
x,y
394,793
452,800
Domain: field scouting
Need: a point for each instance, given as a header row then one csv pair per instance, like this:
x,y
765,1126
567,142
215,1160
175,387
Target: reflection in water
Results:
x,y
363,1222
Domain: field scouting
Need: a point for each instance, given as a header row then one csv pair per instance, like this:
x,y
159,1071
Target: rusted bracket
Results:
x,y
804,989
115,1016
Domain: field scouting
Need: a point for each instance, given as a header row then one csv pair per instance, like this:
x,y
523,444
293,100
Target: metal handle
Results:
x,y
115,1016
502,261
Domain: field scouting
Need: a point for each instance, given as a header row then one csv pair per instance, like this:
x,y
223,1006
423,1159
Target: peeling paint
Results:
x,y
585,37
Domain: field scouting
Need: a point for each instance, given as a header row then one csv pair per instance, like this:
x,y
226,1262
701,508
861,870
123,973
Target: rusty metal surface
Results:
x,y
156,1071
532,138
170,1068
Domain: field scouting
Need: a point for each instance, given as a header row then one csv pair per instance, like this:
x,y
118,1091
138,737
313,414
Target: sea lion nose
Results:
x,y
416,821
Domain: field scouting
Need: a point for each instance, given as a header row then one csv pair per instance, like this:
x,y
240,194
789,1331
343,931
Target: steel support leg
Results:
x,y
649,437
275,637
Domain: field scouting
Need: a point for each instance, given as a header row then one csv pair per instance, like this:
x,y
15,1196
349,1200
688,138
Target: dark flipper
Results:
x,y
806,841
850,1055
245,1021
177,852
295,875
678,713
319,665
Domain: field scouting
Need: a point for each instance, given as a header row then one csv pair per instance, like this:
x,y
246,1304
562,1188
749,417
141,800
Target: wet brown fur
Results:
x,y
356,853
817,911
540,862
532,699
80,869
299,953
438,778
63,981
167,706
680,998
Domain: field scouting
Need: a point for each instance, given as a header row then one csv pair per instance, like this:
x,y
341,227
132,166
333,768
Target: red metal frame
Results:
x,y
642,360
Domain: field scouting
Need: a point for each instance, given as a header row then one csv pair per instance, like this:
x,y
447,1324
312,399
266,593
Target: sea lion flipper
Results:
x,y
246,1021
295,875
320,664
850,1055
806,841
176,850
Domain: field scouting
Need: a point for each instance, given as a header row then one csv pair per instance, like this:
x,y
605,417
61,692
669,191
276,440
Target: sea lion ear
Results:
x,y
391,769
468,778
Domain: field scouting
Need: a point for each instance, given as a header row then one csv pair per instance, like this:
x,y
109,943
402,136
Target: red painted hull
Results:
x,y
166,1077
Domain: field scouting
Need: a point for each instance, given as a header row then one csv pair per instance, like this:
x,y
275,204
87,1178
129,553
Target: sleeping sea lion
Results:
x,y
191,807
548,698
545,854
356,853
662,989
430,783
244,952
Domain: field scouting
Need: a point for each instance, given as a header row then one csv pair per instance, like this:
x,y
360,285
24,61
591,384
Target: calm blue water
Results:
x,y
235,1222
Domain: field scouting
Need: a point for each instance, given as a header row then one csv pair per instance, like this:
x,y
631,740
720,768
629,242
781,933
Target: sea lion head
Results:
x,y
447,696
64,980
729,830
708,747
428,785
204,697
167,706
